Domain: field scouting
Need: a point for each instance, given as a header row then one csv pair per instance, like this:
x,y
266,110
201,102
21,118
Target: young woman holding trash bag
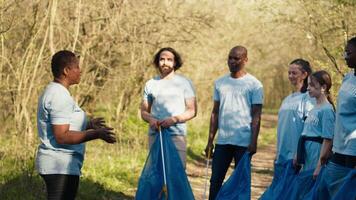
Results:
x,y
63,129
314,147
291,116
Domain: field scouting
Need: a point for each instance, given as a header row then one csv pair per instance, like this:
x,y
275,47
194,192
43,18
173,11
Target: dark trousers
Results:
x,y
222,158
61,186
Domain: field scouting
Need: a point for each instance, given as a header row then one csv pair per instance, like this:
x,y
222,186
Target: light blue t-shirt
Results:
x,y
291,116
319,123
345,126
167,97
56,106
236,97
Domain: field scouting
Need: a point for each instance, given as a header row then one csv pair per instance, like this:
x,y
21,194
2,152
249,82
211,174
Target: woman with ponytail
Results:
x,y
314,147
291,116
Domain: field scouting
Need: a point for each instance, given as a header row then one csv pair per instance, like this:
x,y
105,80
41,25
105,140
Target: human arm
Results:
x,y
214,125
256,112
63,135
189,113
147,116
325,154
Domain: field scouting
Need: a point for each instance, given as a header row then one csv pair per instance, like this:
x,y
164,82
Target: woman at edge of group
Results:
x,y
63,129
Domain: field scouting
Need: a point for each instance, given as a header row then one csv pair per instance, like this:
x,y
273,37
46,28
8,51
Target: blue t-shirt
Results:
x,y
345,126
236,97
319,123
167,97
291,115
55,107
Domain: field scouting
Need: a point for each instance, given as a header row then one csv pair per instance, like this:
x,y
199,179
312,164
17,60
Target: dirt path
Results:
x,y
262,169
262,172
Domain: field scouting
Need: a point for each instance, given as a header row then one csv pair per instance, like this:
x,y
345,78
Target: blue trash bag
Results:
x,y
312,194
301,186
279,168
347,190
285,176
238,186
151,182
331,180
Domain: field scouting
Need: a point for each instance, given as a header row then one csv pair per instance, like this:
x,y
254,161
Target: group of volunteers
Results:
x,y
312,134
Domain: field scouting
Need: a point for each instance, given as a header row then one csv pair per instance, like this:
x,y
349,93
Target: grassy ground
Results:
x,y
110,171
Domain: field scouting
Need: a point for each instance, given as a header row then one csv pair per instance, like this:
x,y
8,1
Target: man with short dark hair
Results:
x,y
236,114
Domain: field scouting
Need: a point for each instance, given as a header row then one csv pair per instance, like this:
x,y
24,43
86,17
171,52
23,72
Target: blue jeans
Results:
x,y
222,158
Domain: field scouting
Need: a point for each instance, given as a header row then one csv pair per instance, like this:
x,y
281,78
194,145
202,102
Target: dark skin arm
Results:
x,y
63,135
214,125
256,112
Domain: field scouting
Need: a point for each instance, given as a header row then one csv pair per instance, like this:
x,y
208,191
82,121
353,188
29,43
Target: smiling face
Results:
x,y
296,75
166,62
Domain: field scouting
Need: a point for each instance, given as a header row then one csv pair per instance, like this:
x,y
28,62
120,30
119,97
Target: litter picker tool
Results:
x,y
164,188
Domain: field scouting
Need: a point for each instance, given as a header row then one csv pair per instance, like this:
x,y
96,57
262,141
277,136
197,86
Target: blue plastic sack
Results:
x,y
151,182
347,190
284,176
279,168
300,187
238,186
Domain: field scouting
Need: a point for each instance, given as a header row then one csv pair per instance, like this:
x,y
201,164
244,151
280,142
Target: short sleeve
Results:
x,y
327,124
189,91
257,95
216,95
147,95
60,109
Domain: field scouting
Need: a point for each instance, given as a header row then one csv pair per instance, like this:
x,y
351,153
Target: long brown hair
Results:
x,y
323,78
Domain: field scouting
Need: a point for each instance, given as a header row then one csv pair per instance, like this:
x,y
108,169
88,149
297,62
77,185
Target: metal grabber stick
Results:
x,y
164,188
206,173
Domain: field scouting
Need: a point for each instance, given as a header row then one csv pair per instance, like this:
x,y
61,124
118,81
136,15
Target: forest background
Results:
x,y
116,41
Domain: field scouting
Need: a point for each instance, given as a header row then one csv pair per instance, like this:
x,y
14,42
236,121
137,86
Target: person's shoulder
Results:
x,y
349,75
252,79
222,78
152,80
181,77
327,107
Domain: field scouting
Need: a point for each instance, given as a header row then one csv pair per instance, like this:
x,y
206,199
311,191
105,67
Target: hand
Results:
x,y
168,122
252,148
316,171
209,150
96,123
154,124
106,134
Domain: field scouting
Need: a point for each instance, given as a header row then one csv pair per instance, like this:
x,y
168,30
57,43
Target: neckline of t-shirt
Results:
x,y
239,78
60,85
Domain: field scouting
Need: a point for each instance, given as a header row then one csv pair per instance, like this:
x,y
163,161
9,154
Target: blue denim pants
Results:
x,y
222,159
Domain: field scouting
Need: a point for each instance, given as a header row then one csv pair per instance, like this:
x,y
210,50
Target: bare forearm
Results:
x,y
186,116
325,151
146,116
77,137
213,127
256,123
